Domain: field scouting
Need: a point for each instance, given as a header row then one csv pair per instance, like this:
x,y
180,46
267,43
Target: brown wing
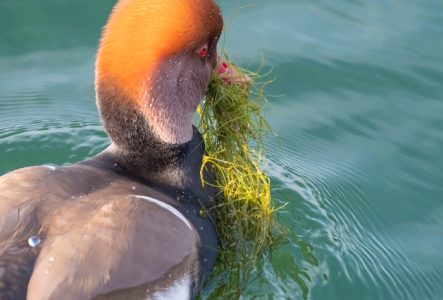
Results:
x,y
20,193
121,242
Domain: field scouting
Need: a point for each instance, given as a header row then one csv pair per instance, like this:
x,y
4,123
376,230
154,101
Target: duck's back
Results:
x,y
95,233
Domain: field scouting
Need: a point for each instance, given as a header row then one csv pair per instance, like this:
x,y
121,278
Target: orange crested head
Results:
x,y
153,66
140,34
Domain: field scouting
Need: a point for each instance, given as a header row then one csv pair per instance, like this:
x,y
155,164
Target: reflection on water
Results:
x,y
360,134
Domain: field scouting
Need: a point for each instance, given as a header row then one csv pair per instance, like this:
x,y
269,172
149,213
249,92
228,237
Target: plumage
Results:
x,y
125,223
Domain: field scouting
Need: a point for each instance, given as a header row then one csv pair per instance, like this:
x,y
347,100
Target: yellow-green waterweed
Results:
x,y
233,127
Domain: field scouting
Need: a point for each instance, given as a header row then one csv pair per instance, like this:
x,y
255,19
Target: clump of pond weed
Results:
x,y
233,127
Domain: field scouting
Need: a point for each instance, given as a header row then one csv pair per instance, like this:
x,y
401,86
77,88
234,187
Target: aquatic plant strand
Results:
x,y
233,127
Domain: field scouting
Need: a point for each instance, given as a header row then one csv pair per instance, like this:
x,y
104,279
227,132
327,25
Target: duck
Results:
x,y
130,222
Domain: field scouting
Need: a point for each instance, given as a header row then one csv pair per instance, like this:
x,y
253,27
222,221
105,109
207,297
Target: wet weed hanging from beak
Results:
x,y
233,128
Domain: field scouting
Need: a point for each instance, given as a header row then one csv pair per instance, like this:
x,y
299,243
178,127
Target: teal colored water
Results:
x,y
359,152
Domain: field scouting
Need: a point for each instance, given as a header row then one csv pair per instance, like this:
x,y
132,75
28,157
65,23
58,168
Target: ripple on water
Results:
x,y
51,145
343,227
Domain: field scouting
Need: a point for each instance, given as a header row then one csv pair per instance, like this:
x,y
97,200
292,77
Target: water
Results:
x,y
358,158
34,241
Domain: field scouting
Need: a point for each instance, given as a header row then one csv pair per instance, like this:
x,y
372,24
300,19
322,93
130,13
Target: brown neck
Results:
x,y
170,165
129,130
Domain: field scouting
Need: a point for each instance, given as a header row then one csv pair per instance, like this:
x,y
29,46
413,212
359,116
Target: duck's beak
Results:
x,y
229,74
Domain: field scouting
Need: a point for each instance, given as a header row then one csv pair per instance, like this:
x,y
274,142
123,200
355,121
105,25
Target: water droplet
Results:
x,y
51,258
133,187
34,241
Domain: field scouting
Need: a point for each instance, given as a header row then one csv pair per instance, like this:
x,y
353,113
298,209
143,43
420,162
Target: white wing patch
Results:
x,y
179,290
168,207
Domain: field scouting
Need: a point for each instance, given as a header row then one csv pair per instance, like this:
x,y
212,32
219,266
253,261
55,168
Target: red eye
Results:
x,y
203,52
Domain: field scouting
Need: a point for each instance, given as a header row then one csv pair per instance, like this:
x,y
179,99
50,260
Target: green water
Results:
x,y
359,152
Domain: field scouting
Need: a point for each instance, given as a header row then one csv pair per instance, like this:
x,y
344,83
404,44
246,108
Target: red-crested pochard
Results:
x,y
125,224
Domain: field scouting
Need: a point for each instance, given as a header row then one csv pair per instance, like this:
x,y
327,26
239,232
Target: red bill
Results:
x,y
229,74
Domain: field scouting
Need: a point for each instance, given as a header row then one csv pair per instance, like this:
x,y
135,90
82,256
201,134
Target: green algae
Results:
x,y
233,127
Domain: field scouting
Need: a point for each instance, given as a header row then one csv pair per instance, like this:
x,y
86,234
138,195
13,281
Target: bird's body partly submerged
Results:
x,y
105,228
128,223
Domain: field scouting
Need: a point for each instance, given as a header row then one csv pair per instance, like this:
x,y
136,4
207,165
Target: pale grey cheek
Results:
x,y
181,82
205,77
